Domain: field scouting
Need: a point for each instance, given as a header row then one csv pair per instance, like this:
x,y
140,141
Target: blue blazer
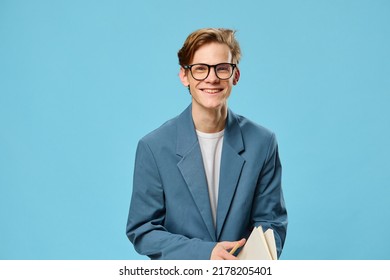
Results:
x,y
170,215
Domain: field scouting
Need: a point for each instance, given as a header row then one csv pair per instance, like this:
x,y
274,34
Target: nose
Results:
x,y
212,77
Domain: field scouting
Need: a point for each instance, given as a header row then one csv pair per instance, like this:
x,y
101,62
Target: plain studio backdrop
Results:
x,y
82,81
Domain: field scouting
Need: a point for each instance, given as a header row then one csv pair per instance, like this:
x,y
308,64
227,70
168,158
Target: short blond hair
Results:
x,y
204,36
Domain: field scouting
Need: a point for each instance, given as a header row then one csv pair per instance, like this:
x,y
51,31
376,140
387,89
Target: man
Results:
x,y
204,179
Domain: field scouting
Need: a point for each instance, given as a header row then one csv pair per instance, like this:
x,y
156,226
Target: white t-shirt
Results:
x,y
211,147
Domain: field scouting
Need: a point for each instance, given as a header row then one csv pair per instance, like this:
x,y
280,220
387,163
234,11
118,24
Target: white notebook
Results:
x,y
259,246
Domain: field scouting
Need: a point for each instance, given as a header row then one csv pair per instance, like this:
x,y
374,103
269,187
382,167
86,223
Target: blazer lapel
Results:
x,y
191,167
231,166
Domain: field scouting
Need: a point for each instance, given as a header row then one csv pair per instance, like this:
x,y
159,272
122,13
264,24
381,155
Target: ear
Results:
x,y
236,76
184,77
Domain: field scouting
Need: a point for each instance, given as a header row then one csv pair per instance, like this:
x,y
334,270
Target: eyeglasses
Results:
x,y
201,71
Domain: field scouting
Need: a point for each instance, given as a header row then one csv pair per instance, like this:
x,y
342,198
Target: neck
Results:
x,y
209,120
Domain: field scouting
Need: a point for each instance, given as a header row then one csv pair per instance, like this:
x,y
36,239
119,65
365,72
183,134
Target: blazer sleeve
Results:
x,y
269,209
145,225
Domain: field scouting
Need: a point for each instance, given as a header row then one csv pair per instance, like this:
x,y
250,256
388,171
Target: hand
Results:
x,y
222,249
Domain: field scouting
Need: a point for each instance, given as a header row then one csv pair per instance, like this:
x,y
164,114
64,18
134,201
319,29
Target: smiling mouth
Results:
x,y
211,91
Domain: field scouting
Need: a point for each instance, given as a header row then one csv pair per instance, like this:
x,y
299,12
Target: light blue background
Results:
x,y
82,81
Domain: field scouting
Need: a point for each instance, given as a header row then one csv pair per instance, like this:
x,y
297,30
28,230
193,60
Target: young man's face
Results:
x,y
211,93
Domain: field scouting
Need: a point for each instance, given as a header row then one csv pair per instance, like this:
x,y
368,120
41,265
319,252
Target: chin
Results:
x,y
213,105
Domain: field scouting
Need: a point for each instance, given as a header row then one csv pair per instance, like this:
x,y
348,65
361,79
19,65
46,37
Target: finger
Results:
x,y
227,256
228,245
242,242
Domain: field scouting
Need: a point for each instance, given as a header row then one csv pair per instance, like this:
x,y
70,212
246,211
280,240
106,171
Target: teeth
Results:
x,y
212,90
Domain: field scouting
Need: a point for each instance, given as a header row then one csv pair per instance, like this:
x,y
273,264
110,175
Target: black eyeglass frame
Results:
x,y
209,67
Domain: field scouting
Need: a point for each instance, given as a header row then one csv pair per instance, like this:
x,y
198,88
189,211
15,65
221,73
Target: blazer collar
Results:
x,y
233,135
186,134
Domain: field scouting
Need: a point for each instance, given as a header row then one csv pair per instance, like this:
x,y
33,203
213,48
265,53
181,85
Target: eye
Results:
x,y
223,68
199,68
